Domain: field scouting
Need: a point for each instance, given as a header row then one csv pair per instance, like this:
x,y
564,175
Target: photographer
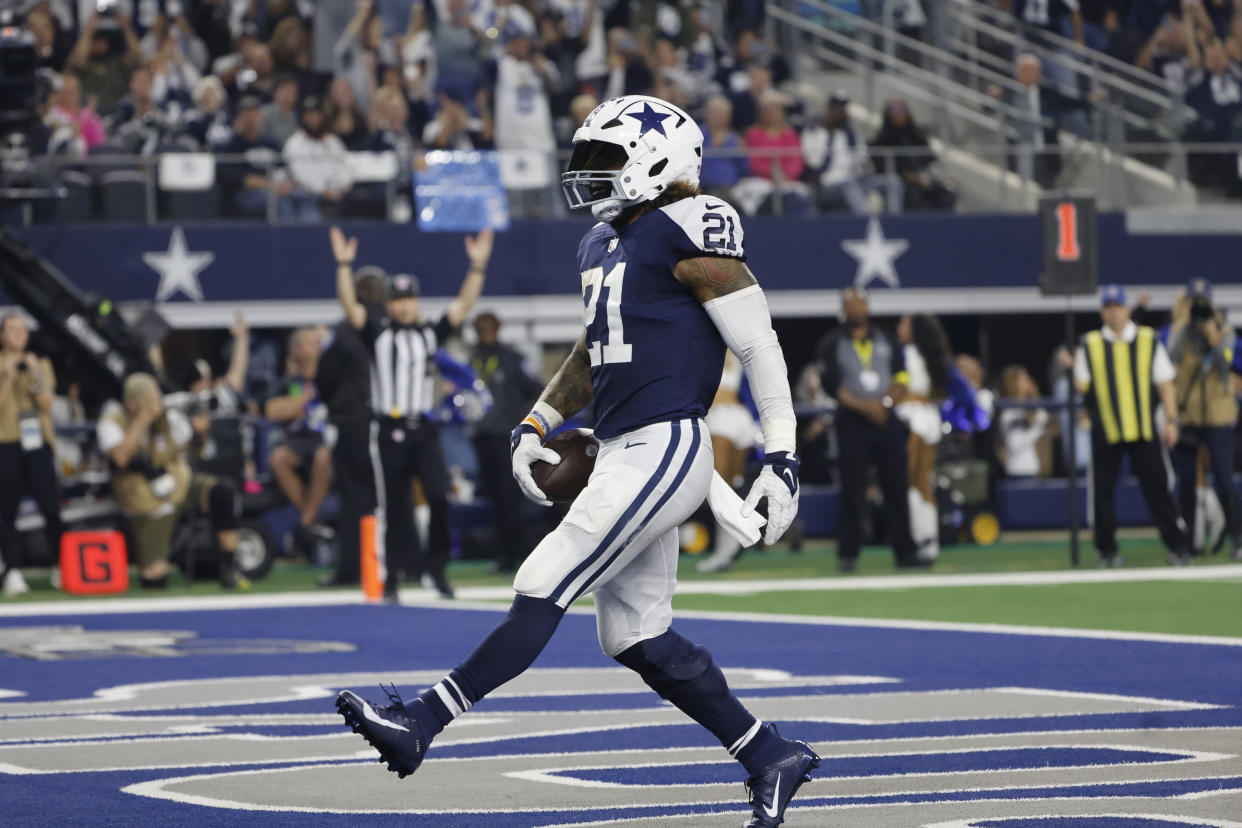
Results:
x,y
151,479
27,467
1201,345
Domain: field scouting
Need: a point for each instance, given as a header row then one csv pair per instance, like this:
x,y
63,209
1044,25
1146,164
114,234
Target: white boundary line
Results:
x,y
423,599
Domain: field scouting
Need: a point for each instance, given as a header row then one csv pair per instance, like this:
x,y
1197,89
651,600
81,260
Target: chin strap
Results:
x,y
607,210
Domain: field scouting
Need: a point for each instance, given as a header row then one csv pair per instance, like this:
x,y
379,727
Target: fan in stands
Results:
x,y
563,482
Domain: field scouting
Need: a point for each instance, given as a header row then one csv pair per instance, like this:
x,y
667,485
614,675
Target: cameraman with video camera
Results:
x,y
147,445
1201,347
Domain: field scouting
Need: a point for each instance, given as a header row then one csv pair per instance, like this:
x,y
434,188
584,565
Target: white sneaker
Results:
x,y
14,583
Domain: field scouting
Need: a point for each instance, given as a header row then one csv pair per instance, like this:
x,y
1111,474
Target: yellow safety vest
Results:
x,y
1120,396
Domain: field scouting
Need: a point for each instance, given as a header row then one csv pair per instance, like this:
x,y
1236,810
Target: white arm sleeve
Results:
x,y
746,326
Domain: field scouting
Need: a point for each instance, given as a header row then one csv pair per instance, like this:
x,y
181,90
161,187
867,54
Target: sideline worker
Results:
x,y
1116,368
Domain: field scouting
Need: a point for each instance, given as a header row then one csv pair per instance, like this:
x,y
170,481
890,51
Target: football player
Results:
x,y
665,290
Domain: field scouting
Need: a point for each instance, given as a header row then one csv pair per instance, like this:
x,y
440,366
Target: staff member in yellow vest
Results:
x,y
1201,345
151,479
27,465
1124,372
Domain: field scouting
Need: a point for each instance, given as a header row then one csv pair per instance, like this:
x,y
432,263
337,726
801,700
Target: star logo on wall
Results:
x,y
875,255
178,268
650,119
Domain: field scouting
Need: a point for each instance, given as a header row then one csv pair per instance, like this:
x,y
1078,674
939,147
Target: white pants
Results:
x,y
619,540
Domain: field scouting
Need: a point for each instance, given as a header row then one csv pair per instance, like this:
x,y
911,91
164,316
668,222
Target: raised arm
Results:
x,y
479,252
344,250
239,362
81,51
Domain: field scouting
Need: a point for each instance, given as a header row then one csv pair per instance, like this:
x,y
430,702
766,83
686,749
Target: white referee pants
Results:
x,y
619,540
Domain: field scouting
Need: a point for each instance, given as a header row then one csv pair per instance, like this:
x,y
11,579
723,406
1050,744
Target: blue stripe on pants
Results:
x,y
625,518
681,475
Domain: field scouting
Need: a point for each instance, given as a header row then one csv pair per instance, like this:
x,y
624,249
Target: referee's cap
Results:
x,y
403,286
1112,294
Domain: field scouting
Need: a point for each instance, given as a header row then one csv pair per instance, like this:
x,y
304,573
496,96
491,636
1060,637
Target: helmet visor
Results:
x,y
597,156
592,173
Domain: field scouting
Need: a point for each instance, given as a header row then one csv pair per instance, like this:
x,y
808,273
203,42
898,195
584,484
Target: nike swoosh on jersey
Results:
x,y
631,445
774,810
712,206
375,717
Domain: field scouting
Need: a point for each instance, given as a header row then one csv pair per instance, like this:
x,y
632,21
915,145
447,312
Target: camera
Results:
x,y
1201,310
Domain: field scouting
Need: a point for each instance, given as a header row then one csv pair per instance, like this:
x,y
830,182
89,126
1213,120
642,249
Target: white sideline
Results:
x,y
107,606
473,598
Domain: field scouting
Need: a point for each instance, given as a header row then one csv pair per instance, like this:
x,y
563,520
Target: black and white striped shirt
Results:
x,y
403,367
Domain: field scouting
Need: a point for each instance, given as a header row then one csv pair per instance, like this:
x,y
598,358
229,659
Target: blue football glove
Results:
x,y
778,482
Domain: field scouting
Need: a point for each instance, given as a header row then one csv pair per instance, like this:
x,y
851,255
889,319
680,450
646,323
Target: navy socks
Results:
x,y
505,654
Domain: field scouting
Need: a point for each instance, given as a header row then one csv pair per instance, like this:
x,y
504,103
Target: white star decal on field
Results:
x,y
178,268
875,255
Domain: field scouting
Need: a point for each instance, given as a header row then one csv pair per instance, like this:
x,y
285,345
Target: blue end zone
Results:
x,y
402,639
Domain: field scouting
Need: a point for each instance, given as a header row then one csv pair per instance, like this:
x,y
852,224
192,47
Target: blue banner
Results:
x,y
224,262
460,192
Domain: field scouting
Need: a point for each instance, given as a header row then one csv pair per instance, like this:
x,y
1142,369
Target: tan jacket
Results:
x,y
1204,391
132,488
24,400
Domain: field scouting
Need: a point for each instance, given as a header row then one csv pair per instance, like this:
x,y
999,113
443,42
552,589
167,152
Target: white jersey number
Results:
x,y
594,281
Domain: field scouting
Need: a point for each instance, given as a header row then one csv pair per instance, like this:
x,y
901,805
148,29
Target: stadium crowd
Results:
x,y
281,91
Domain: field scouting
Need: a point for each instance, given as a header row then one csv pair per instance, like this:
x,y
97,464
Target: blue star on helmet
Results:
x,y
650,119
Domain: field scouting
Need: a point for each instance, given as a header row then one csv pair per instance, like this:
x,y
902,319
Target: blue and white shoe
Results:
x,y
389,729
772,790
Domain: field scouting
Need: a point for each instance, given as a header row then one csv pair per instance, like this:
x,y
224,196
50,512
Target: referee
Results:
x,y
1116,368
405,441
344,383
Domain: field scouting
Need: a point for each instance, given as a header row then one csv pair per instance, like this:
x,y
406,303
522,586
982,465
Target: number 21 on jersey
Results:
x,y
610,348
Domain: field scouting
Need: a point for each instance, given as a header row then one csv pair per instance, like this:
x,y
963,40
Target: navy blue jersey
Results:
x,y
655,354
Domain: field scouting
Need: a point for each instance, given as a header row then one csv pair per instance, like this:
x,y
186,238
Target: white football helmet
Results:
x,y
629,150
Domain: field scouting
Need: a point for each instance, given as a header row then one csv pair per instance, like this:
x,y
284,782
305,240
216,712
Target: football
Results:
x,y
564,481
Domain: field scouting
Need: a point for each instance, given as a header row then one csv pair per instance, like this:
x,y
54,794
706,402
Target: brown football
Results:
x,y
564,481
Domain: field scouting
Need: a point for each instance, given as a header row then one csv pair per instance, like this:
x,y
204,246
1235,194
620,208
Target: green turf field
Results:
x,y
1186,607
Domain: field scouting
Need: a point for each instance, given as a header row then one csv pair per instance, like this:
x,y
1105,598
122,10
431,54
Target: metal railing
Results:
x,y
130,188
1146,103
970,94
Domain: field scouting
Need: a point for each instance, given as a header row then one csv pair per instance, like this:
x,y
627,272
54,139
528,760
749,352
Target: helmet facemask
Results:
x,y
593,179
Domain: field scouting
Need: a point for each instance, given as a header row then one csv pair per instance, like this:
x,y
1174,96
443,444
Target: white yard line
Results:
x,y
705,587
469,595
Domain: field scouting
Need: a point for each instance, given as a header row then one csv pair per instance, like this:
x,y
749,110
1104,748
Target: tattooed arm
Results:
x,y
567,393
570,390
711,277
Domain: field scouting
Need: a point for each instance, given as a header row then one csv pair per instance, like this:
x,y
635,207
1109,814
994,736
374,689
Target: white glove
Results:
x,y
527,448
778,482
